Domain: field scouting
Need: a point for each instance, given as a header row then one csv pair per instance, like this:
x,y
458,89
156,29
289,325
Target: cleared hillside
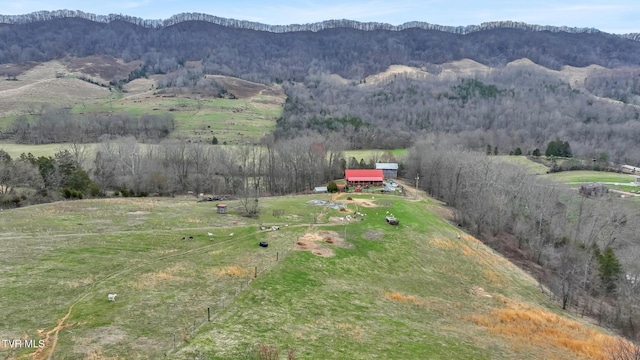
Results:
x,y
82,86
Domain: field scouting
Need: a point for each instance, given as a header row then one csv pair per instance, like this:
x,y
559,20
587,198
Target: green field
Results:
x,y
231,121
362,289
534,167
586,176
15,150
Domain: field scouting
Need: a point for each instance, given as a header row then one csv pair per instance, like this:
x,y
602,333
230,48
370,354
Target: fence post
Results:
x,y
209,313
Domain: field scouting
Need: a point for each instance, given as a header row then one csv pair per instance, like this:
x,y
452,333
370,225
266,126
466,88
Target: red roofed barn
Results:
x,y
364,177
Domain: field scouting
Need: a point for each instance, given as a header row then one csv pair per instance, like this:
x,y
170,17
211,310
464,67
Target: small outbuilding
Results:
x,y
390,170
222,208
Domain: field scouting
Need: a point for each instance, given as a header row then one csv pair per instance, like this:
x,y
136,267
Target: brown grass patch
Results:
x,y
153,279
399,297
40,86
528,325
80,283
442,244
96,354
355,332
430,302
231,271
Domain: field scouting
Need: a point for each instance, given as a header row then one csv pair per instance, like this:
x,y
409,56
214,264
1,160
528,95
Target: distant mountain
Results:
x,y
267,53
378,85
324,25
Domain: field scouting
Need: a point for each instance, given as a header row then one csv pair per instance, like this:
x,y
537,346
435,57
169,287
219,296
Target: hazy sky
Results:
x,y
613,16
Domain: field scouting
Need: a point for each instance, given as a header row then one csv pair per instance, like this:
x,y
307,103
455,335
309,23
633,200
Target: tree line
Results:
x,y
582,248
55,126
173,166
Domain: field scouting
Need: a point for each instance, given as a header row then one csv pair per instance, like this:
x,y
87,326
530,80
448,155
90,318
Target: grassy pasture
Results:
x,y
407,292
613,181
15,150
534,167
586,176
69,255
411,291
233,121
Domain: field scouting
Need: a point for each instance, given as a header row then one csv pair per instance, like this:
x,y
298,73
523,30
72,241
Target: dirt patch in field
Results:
x,y
373,235
313,242
360,202
138,213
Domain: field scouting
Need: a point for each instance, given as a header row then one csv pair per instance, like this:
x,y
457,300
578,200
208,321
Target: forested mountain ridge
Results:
x,y
318,26
264,53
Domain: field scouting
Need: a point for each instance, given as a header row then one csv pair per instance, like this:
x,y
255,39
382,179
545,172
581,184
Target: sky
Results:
x,y
612,16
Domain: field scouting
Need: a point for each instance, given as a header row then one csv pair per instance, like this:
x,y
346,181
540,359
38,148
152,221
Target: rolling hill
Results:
x,y
324,287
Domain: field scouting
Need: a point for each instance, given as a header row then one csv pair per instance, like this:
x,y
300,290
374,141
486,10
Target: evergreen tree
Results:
x,y
332,187
609,268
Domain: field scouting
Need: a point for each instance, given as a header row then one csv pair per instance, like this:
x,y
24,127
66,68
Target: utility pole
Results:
x,y
417,178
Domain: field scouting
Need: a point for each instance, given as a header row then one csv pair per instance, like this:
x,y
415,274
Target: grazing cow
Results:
x,y
112,297
264,244
274,228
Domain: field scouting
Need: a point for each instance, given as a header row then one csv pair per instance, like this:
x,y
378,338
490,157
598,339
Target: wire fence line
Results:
x,y
214,309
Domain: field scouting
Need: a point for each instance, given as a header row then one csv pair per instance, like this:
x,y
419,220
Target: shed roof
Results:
x,y
387,166
364,175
